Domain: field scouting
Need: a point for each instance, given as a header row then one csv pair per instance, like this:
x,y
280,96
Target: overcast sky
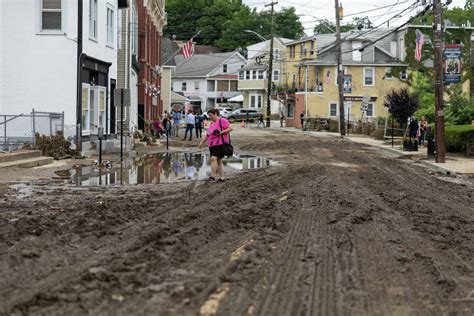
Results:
x,y
312,10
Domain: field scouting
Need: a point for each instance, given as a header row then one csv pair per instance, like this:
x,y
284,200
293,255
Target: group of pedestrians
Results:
x,y
419,130
170,124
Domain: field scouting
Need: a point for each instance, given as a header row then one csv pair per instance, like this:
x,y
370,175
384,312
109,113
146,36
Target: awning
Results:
x,y
237,98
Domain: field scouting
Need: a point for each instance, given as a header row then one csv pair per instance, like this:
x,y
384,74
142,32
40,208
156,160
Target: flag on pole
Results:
x,y
188,49
420,39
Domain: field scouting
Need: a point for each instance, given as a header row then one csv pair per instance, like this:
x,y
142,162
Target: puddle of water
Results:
x,y
163,168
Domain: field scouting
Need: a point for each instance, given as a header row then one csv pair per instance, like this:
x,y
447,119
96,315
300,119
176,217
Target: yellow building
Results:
x,y
369,73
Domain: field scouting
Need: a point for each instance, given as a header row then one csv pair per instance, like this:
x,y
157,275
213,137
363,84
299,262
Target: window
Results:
x,y
370,110
388,73
260,74
302,50
356,54
247,75
224,68
401,47
369,73
183,86
196,85
85,107
276,53
134,31
276,75
344,72
102,107
333,109
292,51
291,111
393,48
254,74
110,27
241,75
255,101
51,15
93,19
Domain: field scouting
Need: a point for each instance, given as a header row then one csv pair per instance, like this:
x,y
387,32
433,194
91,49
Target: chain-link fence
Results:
x,y
17,130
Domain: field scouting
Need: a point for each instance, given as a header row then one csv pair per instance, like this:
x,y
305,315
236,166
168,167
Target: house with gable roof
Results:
x,y
207,80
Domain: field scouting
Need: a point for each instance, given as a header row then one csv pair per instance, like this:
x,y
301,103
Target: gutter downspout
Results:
x,y
78,83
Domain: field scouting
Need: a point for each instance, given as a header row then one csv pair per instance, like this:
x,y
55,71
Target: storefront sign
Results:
x,y
452,64
358,98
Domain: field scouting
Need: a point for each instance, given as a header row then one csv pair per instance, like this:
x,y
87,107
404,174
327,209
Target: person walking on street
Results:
x,y
198,125
190,121
166,122
282,118
176,122
302,120
423,130
260,121
216,136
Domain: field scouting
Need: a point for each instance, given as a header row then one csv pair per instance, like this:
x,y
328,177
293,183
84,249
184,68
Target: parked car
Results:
x,y
224,111
242,114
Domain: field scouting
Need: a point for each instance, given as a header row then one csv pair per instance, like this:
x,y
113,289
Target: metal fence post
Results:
x,y
5,131
50,124
62,122
34,127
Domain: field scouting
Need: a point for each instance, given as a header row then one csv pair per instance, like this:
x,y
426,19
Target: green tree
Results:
x,y
183,17
460,108
234,34
423,87
214,16
327,27
286,23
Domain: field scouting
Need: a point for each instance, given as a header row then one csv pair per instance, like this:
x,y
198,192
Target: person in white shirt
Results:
x,y
190,121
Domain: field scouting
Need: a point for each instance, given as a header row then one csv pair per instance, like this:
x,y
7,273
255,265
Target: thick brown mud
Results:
x,y
336,229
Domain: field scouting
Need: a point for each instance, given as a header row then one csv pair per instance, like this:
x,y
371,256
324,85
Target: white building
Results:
x,y
208,80
51,60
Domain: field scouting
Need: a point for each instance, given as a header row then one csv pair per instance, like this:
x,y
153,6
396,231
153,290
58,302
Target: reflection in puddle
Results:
x,y
163,168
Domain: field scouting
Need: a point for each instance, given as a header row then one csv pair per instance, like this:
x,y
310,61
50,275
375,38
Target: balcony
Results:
x,y
257,84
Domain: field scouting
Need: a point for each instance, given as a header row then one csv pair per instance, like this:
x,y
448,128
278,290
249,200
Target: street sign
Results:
x,y
118,97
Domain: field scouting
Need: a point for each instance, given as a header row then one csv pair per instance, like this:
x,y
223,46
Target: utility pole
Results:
x,y
342,127
438,69
270,68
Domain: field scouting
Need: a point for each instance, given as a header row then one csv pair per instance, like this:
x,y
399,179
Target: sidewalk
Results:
x,y
453,164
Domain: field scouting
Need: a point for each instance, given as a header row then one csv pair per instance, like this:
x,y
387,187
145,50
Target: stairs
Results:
x,y
24,159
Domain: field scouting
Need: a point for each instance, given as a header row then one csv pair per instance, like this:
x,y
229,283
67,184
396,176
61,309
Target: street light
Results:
x,y
270,71
253,32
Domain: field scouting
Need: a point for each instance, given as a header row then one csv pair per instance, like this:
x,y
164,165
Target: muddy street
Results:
x,y
336,228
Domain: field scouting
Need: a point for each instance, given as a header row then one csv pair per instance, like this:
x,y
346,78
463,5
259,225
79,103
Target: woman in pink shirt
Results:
x,y
217,135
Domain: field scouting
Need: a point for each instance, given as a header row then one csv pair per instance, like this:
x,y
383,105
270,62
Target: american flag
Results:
x,y
420,39
188,49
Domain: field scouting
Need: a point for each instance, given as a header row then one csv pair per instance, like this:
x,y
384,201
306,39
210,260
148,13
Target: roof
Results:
x,y
206,49
168,49
254,67
199,65
225,77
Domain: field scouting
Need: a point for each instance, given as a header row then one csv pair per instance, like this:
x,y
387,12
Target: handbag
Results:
x,y
227,148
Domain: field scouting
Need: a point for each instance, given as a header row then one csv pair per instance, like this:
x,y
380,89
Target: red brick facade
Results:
x,y
149,82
